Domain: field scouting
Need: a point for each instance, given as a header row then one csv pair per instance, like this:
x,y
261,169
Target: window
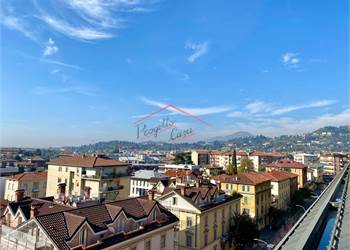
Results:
x,y
206,239
82,237
206,220
13,186
215,217
245,200
188,240
245,188
215,233
246,211
162,241
174,201
9,186
59,180
148,245
154,214
59,169
189,221
66,169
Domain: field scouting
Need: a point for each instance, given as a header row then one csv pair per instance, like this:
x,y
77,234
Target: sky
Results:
x,y
80,71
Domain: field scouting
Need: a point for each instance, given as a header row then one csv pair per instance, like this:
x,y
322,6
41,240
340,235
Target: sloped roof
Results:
x,y
287,164
279,175
252,178
86,161
31,176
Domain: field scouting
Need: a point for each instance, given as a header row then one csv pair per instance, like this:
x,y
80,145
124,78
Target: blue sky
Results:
x,y
80,71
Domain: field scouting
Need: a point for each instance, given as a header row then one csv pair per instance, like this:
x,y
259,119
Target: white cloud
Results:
x,y
321,103
193,111
81,90
50,48
75,32
17,24
258,107
199,49
291,60
235,114
72,66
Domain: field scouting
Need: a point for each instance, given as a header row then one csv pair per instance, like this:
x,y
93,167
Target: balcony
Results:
x,y
99,177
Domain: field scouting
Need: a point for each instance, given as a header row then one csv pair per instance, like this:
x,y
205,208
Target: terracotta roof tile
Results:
x,y
287,164
279,175
31,176
243,178
86,161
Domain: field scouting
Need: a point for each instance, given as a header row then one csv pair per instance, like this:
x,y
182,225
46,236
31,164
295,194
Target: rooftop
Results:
x,y
279,175
268,154
148,174
287,164
86,161
31,176
252,178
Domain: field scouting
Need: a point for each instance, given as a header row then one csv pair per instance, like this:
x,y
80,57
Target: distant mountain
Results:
x,y
335,139
240,134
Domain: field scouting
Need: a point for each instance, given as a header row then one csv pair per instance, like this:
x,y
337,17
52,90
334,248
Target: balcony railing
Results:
x,y
103,177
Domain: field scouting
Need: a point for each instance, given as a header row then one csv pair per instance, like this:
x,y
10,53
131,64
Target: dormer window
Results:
x,y
82,237
154,214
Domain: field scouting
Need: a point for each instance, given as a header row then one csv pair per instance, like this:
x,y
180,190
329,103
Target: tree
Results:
x,y
231,169
183,158
260,169
246,165
242,231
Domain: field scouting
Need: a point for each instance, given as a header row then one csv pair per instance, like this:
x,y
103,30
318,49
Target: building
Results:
x,y
240,155
182,177
333,162
317,172
281,182
292,167
143,180
264,158
307,159
204,213
194,168
105,178
222,159
126,224
33,184
200,157
256,191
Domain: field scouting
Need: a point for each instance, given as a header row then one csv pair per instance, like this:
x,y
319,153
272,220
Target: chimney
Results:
x,y
151,194
198,183
19,195
61,190
183,189
87,192
34,210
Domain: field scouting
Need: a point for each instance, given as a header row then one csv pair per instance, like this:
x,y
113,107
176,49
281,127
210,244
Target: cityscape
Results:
x,y
174,125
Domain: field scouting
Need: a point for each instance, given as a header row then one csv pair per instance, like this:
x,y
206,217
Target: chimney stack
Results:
x,y
183,189
198,183
34,210
19,195
151,194
87,192
61,191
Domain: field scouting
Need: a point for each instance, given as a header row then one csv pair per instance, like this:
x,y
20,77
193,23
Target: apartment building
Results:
x,y
33,184
333,162
200,157
105,178
182,177
317,172
205,214
292,167
126,224
281,183
165,167
143,180
240,155
306,159
264,158
256,191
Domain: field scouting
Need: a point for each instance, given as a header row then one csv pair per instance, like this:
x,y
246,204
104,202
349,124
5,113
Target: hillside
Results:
x,y
323,139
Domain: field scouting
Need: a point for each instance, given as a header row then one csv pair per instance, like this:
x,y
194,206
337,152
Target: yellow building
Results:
x,y
200,157
205,214
33,184
102,177
256,191
281,182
